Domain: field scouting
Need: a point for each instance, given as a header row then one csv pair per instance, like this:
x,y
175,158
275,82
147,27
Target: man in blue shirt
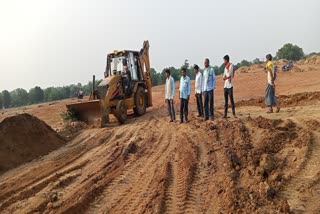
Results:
x,y
185,90
209,84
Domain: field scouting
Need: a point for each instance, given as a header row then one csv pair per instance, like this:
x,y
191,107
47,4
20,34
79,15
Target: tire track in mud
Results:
x,y
38,186
198,178
133,181
303,190
147,174
180,175
101,178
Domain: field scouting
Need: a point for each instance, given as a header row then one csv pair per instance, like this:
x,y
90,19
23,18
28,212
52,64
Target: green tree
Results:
x,y
245,63
290,52
189,69
66,92
257,61
47,93
155,76
1,102
73,90
216,69
57,93
36,95
19,97
220,70
88,88
6,99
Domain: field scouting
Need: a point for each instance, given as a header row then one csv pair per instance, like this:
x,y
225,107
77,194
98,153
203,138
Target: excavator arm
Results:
x,y
145,64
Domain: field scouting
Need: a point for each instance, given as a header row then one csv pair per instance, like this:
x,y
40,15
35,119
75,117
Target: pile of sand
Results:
x,y
250,69
281,61
296,68
24,138
300,99
314,60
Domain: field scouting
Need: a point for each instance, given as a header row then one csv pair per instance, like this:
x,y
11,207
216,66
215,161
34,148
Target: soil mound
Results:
x,y
314,60
296,69
250,69
305,98
23,138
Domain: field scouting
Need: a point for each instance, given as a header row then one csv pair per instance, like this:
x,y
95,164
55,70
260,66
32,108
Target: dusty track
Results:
x,y
151,166
259,163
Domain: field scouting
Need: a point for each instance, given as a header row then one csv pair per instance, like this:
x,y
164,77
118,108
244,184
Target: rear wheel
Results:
x,y
121,112
140,102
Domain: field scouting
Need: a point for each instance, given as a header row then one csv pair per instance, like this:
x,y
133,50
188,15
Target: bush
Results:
x,y
290,52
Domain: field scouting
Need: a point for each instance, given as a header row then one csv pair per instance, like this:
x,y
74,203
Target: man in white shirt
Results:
x,y
228,76
169,95
198,90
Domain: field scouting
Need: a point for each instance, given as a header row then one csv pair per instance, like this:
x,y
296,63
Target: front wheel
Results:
x,y
121,112
140,102
105,117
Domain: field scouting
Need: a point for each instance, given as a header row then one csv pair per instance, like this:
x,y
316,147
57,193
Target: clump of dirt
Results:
x,y
299,99
23,138
71,129
312,124
260,155
264,123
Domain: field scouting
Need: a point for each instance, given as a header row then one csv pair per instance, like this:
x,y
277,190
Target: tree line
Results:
x,y
288,52
21,97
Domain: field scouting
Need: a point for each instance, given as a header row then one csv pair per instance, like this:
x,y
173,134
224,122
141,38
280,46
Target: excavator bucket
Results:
x,y
87,112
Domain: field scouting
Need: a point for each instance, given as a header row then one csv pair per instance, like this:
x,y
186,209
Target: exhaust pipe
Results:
x,y
93,83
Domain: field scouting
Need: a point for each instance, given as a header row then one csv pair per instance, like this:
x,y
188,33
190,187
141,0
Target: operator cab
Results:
x,y
117,61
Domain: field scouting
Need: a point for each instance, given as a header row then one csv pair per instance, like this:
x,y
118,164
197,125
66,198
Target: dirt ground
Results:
x,y
256,163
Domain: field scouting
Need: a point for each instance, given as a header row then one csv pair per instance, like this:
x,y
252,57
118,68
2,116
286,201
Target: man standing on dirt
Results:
x,y
198,90
209,84
228,76
270,98
169,95
185,90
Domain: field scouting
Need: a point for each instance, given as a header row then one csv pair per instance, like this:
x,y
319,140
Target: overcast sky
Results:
x,y
59,42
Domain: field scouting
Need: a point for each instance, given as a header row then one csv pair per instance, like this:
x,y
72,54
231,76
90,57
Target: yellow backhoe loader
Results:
x,y
126,85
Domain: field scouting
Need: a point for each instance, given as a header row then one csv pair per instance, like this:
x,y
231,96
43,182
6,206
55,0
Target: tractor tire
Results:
x,y
105,118
140,102
121,112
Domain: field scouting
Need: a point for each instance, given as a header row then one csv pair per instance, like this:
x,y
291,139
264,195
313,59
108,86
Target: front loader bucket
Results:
x,y
87,111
